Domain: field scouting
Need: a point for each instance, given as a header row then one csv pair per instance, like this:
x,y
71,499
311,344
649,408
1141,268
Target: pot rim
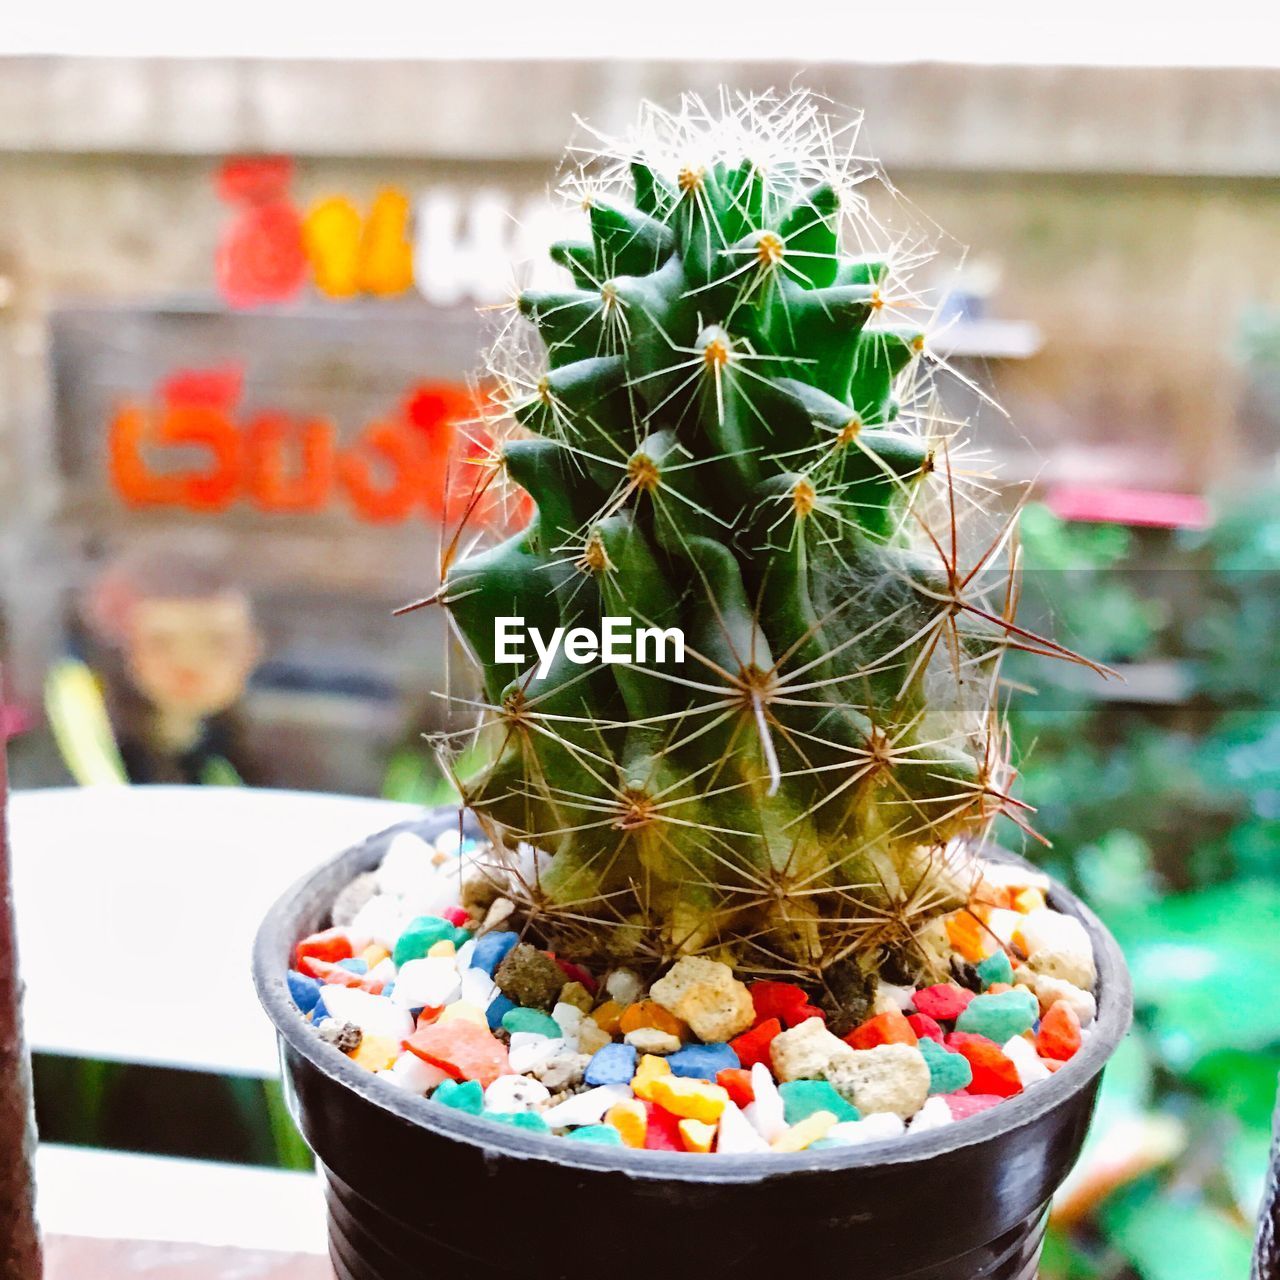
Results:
x,y
276,937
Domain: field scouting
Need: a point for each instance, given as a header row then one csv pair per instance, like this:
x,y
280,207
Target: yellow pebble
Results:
x,y
631,1120
690,1099
810,1129
461,1011
697,1136
607,1017
442,948
1027,900
376,1053
374,955
651,1069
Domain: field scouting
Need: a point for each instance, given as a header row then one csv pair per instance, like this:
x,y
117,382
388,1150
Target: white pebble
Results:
x,y
384,971
1005,923
736,1135
899,998
374,1015
933,1115
1046,927
873,1128
409,1072
464,954
407,870
382,920
767,1114
568,1018
586,1108
477,987
508,1094
449,842
432,981
528,1050
1026,1061
624,985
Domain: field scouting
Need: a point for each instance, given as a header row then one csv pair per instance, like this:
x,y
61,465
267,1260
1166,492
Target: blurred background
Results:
x,y
244,272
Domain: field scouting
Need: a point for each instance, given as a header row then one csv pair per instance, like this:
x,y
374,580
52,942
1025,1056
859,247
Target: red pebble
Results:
x,y
463,1049
456,916
925,1027
662,1133
781,1000
753,1046
336,975
1059,1035
969,1104
736,1082
884,1028
945,1002
331,945
802,1013
993,1073
576,973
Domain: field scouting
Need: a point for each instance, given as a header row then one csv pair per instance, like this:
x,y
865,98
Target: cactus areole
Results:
x,y
729,433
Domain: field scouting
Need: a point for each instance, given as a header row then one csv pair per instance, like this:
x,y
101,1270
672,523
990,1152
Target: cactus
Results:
x,y
729,429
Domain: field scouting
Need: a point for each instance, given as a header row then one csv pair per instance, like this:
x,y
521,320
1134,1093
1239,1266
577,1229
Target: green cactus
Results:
x,y
726,434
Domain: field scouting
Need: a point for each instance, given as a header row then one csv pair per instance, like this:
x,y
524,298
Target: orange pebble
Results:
x,y
966,932
997,987
885,1028
697,1136
736,1082
608,1017
648,1013
631,1120
1028,900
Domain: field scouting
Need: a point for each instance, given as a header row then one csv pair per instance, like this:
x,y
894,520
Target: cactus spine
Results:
x,y
728,431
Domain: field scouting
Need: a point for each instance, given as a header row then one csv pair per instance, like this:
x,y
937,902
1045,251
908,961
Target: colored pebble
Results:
x,y
736,1082
356,964
1059,1035
963,1105
466,1096
925,1027
969,935
498,1009
530,1120
779,1000
649,1013
993,1073
304,991
662,1129
753,1046
614,1064
491,950
948,1072
464,1050
460,1009
608,1017
695,1135
605,1134
455,915
376,1053
885,1028
999,1017
800,1136
997,967
803,1098
530,977
944,1002
702,1061
631,1119
534,1020
443,948
1022,1053
690,1099
575,995
421,935
331,945
649,1071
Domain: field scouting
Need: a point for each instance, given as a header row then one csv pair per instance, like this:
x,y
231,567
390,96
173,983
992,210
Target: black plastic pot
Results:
x,y
419,1190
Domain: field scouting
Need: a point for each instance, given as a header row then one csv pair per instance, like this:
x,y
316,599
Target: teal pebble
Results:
x,y
948,1072
605,1134
801,1098
421,934
521,1019
995,968
530,1120
467,1096
823,1143
1000,1017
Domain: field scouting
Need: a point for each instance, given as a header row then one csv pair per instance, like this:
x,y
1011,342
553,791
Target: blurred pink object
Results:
x,y
1129,506
14,720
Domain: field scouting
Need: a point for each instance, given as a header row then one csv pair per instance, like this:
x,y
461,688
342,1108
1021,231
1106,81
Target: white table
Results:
x,y
137,908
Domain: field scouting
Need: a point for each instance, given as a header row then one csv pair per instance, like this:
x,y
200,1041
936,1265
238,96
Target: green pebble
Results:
x,y
948,1072
467,1096
535,1020
530,1120
605,1134
801,1098
995,968
1000,1017
421,934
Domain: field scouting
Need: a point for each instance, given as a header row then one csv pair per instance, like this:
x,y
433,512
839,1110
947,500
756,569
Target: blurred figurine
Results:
x,y
171,644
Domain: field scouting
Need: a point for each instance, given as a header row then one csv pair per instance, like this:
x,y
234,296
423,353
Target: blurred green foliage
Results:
x,y
1161,797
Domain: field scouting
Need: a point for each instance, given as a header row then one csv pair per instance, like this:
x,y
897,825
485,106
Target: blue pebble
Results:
x,y
491,950
498,1008
614,1064
702,1061
305,991
388,989
318,1012
355,964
